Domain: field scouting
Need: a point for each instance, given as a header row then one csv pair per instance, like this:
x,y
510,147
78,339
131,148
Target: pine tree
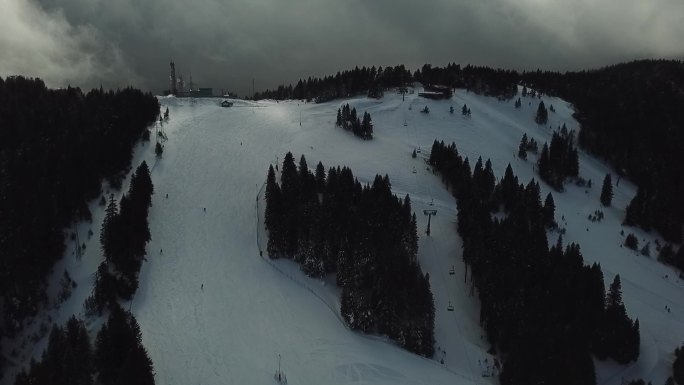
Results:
x,y
115,344
678,365
273,215
290,187
631,241
464,110
573,162
320,178
366,127
338,122
549,211
614,295
532,146
272,189
607,191
543,166
136,368
542,115
633,212
109,233
158,150
78,360
635,342
522,148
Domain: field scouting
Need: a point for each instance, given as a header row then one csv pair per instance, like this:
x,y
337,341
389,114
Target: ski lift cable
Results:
x,y
458,325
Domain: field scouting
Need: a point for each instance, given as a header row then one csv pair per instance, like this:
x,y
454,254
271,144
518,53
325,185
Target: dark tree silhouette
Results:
x,y
542,115
68,142
607,191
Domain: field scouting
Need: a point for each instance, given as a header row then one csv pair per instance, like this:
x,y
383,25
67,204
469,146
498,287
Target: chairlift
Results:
x,y
452,271
414,170
450,307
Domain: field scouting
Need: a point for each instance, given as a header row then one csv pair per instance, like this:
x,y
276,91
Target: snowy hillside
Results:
x,y
212,311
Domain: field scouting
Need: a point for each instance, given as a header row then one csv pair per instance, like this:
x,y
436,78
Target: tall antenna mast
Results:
x,y
174,91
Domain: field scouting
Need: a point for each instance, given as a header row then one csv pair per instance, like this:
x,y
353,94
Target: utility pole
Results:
x,y
429,214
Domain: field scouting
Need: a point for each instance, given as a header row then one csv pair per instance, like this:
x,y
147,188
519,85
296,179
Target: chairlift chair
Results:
x,y
452,271
450,307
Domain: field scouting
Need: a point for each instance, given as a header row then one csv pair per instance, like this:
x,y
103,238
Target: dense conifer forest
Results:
x,y
348,119
543,310
118,356
366,235
56,147
631,115
125,233
559,160
372,81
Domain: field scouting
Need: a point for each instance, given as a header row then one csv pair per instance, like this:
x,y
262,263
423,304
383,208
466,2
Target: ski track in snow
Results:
x,y
213,312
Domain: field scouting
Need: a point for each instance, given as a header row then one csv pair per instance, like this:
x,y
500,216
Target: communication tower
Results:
x,y
174,91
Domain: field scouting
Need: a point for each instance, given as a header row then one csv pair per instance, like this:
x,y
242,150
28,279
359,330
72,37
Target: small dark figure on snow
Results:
x,y
205,209
202,287
167,196
161,251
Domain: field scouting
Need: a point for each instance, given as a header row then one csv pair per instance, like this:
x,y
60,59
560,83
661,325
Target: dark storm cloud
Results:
x,y
226,43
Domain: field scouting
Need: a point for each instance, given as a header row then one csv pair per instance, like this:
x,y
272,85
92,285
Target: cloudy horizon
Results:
x,y
225,44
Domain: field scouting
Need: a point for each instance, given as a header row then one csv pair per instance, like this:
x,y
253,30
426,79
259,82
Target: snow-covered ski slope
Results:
x,y
212,311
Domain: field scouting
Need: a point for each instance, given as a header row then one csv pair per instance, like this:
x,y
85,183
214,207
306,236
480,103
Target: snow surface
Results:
x,y
212,311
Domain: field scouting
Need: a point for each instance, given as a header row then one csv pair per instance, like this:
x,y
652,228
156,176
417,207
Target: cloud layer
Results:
x,y
227,43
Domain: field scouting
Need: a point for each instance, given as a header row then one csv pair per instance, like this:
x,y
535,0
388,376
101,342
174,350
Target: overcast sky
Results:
x,y
227,43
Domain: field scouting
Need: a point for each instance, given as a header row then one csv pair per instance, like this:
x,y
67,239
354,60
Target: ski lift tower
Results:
x,y
279,375
429,214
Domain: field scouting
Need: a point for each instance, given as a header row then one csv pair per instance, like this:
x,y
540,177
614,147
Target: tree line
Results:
x,y
124,235
330,223
543,310
631,116
348,120
56,147
372,81
343,84
117,357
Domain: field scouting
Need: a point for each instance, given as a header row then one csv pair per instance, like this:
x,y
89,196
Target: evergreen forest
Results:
x,y
56,148
366,236
543,310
